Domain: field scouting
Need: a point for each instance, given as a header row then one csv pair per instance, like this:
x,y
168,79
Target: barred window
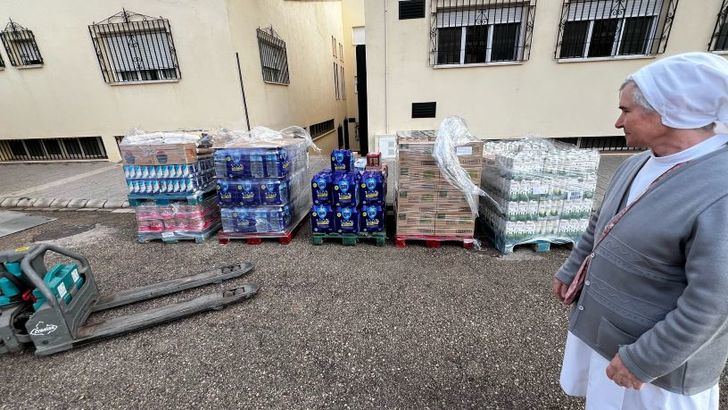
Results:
x,y
2,63
321,128
20,44
719,41
609,28
481,31
273,58
132,47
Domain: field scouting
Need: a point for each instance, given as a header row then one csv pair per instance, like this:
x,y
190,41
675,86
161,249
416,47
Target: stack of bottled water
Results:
x,y
543,190
261,185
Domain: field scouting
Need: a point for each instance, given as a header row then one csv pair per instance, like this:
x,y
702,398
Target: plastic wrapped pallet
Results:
x,y
170,178
437,180
543,191
262,179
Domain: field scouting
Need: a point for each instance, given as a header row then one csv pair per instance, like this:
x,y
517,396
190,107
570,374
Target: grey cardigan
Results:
x,y
656,290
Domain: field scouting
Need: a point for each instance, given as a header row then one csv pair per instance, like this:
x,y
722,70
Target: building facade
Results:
x,y
549,68
76,76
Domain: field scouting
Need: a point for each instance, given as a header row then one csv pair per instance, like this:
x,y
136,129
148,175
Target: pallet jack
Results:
x,y
49,308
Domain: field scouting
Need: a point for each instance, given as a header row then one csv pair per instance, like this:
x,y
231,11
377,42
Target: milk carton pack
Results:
x,y
345,191
321,187
347,219
372,218
342,160
274,192
372,187
322,218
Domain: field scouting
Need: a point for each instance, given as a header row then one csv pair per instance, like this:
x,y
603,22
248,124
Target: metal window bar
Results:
x,y
609,28
52,149
273,57
20,44
481,31
321,128
2,63
132,47
719,39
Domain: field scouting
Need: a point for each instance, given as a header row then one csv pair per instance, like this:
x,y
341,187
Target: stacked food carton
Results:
x,y
262,186
171,185
541,191
427,204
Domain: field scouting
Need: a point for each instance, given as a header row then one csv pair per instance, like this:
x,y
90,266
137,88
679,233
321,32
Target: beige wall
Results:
x,y
68,97
539,96
353,16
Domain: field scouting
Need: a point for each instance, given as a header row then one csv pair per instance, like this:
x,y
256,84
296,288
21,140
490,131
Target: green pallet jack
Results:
x,y
53,318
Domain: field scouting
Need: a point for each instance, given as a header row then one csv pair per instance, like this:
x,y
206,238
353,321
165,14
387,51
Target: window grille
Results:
x,y
20,44
273,58
2,63
481,31
424,109
317,130
719,41
609,28
132,47
52,149
411,9
336,82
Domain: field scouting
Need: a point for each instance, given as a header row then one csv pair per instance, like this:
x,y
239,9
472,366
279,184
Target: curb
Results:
x,y
62,204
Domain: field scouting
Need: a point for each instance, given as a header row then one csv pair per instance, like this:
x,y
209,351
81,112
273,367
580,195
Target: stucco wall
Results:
x,y
540,96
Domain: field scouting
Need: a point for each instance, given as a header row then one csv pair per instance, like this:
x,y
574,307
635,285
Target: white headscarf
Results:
x,y
688,90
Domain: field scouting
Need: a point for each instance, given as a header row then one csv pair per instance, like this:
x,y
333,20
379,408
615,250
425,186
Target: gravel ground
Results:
x,y
331,327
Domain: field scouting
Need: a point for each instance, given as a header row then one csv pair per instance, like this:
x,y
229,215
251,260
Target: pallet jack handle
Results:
x,y
31,261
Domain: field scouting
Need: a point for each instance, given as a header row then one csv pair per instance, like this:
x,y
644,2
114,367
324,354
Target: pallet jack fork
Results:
x,y
57,326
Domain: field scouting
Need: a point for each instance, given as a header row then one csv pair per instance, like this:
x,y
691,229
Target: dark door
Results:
x,y
361,89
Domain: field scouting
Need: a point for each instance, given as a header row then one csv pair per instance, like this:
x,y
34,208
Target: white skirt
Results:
x,y
584,374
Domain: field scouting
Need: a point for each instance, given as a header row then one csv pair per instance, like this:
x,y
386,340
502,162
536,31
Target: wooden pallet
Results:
x,y
256,238
350,239
170,237
432,241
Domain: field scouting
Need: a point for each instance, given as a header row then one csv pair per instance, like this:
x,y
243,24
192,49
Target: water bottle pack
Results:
x,y
347,219
274,219
322,218
345,189
373,187
342,160
163,186
253,192
322,188
372,218
168,171
259,162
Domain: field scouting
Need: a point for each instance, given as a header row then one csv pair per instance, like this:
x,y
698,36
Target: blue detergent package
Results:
x,y
274,192
342,160
321,187
372,187
347,219
372,218
322,218
345,192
